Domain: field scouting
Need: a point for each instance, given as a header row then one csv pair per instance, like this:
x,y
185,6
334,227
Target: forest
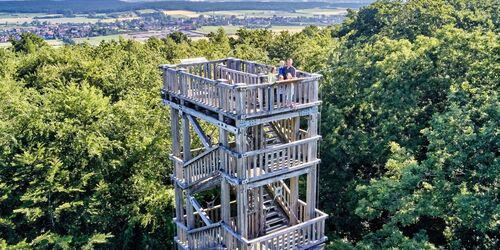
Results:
x,y
410,125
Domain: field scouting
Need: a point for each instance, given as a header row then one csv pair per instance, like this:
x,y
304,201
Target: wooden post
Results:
x,y
242,193
186,150
176,151
294,199
311,176
225,188
240,101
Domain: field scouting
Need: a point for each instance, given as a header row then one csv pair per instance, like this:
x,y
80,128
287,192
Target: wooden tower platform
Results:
x,y
252,183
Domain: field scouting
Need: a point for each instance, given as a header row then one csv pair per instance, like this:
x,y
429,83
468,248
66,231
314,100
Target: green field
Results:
x,y
317,11
257,13
146,11
271,13
231,30
10,19
55,43
96,40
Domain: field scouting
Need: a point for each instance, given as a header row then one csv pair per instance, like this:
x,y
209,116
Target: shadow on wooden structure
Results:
x,y
263,139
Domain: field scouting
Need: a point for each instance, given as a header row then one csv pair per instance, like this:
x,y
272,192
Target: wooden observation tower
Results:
x,y
252,183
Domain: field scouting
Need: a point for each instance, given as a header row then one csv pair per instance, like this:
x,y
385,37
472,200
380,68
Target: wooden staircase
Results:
x,y
275,218
271,135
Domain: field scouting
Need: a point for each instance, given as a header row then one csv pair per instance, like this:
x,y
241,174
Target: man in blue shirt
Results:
x,y
290,70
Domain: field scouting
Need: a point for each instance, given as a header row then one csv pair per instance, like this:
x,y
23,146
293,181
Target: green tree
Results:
x,y
28,43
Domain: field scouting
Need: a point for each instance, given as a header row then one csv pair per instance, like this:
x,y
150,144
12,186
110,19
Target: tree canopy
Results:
x,y
410,125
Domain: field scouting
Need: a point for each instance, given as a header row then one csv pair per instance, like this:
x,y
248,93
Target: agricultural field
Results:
x,y
271,13
98,39
231,30
182,13
11,19
257,13
326,12
54,43
146,11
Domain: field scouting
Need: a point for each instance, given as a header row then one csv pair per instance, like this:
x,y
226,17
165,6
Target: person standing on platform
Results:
x,y
290,71
281,71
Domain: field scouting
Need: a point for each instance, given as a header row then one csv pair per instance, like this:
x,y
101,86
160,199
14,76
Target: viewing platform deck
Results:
x,y
238,89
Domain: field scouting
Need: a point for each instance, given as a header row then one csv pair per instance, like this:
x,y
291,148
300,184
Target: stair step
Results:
x,y
271,207
275,228
271,214
275,220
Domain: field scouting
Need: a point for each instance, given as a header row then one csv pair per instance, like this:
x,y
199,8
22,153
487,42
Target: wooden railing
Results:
x,y
303,235
242,93
204,69
208,237
256,164
236,76
202,166
182,235
247,66
269,97
265,161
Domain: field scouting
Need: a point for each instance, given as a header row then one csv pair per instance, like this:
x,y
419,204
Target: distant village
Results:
x,y
158,24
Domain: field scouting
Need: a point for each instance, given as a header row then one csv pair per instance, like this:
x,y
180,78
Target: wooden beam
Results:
x,y
186,138
242,193
279,115
186,151
281,174
176,151
189,211
312,130
203,215
199,131
202,116
294,198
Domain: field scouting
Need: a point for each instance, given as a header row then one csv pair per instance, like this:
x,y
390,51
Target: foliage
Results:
x,y
28,42
410,127
411,142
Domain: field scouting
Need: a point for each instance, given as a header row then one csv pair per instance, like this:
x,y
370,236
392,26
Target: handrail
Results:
x,y
196,63
214,82
288,229
280,146
210,81
322,216
213,148
237,71
196,230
